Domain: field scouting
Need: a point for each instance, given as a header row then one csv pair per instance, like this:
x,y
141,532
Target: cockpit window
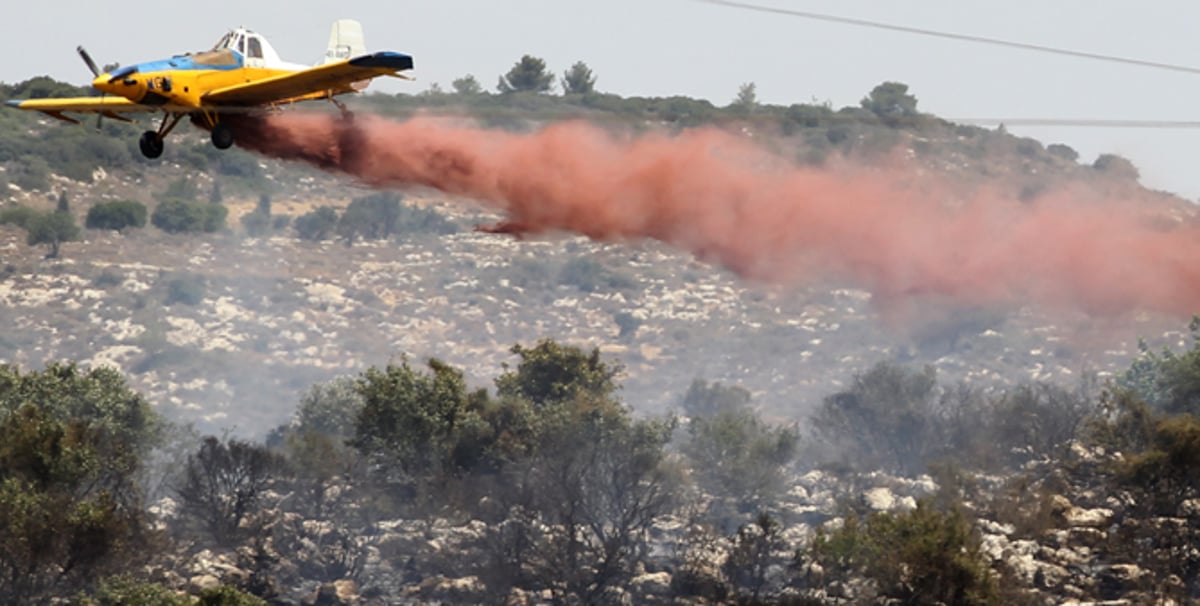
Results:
x,y
223,42
253,48
216,57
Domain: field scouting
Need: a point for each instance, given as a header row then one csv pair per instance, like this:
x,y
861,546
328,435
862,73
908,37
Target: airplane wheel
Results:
x,y
222,136
151,144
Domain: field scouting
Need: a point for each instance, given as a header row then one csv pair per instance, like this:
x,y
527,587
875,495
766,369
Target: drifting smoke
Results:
x,y
730,202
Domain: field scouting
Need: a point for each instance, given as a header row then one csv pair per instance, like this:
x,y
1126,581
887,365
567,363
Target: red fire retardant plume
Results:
x,y
730,202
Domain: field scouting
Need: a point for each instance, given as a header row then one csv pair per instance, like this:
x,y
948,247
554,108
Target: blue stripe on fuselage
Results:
x,y
185,62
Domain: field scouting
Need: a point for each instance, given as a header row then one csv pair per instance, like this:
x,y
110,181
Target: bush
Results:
x,y
116,215
410,421
924,556
256,223
71,446
736,454
189,290
888,419
372,217
107,278
52,228
707,400
318,224
627,323
753,567
1117,167
225,482
1060,150
589,275
550,372
1167,380
19,216
127,591
30,173
228,596
180,216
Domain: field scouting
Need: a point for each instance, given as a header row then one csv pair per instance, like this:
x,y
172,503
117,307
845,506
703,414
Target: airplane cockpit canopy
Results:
x,y
247,43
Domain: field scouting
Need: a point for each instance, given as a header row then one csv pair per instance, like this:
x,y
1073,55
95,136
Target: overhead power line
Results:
x,y
953,36
1150,124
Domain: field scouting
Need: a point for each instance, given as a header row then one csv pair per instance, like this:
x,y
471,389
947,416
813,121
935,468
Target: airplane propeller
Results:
x,y
88,60
83,54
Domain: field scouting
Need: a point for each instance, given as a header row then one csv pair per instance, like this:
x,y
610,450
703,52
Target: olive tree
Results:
x,y
71,445
529,75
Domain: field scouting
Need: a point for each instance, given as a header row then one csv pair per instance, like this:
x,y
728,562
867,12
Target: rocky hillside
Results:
x,y
277,314
225,330
1040,496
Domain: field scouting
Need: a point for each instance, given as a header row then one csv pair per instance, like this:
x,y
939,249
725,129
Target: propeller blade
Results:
x,y
88,60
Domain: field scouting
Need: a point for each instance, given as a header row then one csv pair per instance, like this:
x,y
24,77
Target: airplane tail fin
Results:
x,y
345,41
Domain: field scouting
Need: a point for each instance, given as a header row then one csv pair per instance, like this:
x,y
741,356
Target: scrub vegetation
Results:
x,y
408,482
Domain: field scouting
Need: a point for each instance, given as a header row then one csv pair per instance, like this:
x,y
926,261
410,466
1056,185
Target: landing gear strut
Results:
x,y
151,142
347,115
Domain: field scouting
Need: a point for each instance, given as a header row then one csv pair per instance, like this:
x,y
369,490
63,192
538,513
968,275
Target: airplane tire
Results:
x,y
222,136
151,145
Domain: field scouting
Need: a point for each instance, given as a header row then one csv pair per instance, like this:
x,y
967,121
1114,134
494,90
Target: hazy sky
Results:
x,y
684,47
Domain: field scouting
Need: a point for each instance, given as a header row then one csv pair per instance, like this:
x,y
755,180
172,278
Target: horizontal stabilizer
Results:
x,y
384,59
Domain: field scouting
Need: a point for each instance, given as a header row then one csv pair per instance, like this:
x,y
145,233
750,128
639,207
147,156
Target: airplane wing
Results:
x,y
316,82
110,106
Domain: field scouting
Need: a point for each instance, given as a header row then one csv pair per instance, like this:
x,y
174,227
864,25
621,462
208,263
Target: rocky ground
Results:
x,y
1071,551
226,331
275,315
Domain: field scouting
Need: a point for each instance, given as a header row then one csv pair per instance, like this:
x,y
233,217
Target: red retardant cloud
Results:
x,y
733,203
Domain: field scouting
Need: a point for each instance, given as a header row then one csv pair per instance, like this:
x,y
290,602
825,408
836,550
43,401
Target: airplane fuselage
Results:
x,y
181,82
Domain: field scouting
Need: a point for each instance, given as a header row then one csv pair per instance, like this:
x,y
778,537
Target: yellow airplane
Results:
x,y
241,74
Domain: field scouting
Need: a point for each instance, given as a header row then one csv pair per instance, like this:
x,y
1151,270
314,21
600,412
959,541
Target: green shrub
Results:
x,y
71,446
589,275
627,323
107,278
318,224
19,216
1167,380
228,596
736,454
372,217
30,173
175,215
189,290
923,556
116,215
887,419
256,223
52,228
127,591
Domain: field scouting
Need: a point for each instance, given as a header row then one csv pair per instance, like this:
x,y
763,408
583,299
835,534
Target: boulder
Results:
x,y
465,590
651,584
201,582
1090,518
1118,580
346,590
880,499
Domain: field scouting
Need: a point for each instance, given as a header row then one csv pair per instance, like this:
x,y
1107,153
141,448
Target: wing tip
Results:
x,y
14,102
388,59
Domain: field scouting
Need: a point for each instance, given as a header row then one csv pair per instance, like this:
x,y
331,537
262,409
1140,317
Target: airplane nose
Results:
x,y
101,83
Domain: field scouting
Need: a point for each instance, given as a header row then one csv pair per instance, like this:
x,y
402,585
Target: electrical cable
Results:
x,y
1085,123
952,36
